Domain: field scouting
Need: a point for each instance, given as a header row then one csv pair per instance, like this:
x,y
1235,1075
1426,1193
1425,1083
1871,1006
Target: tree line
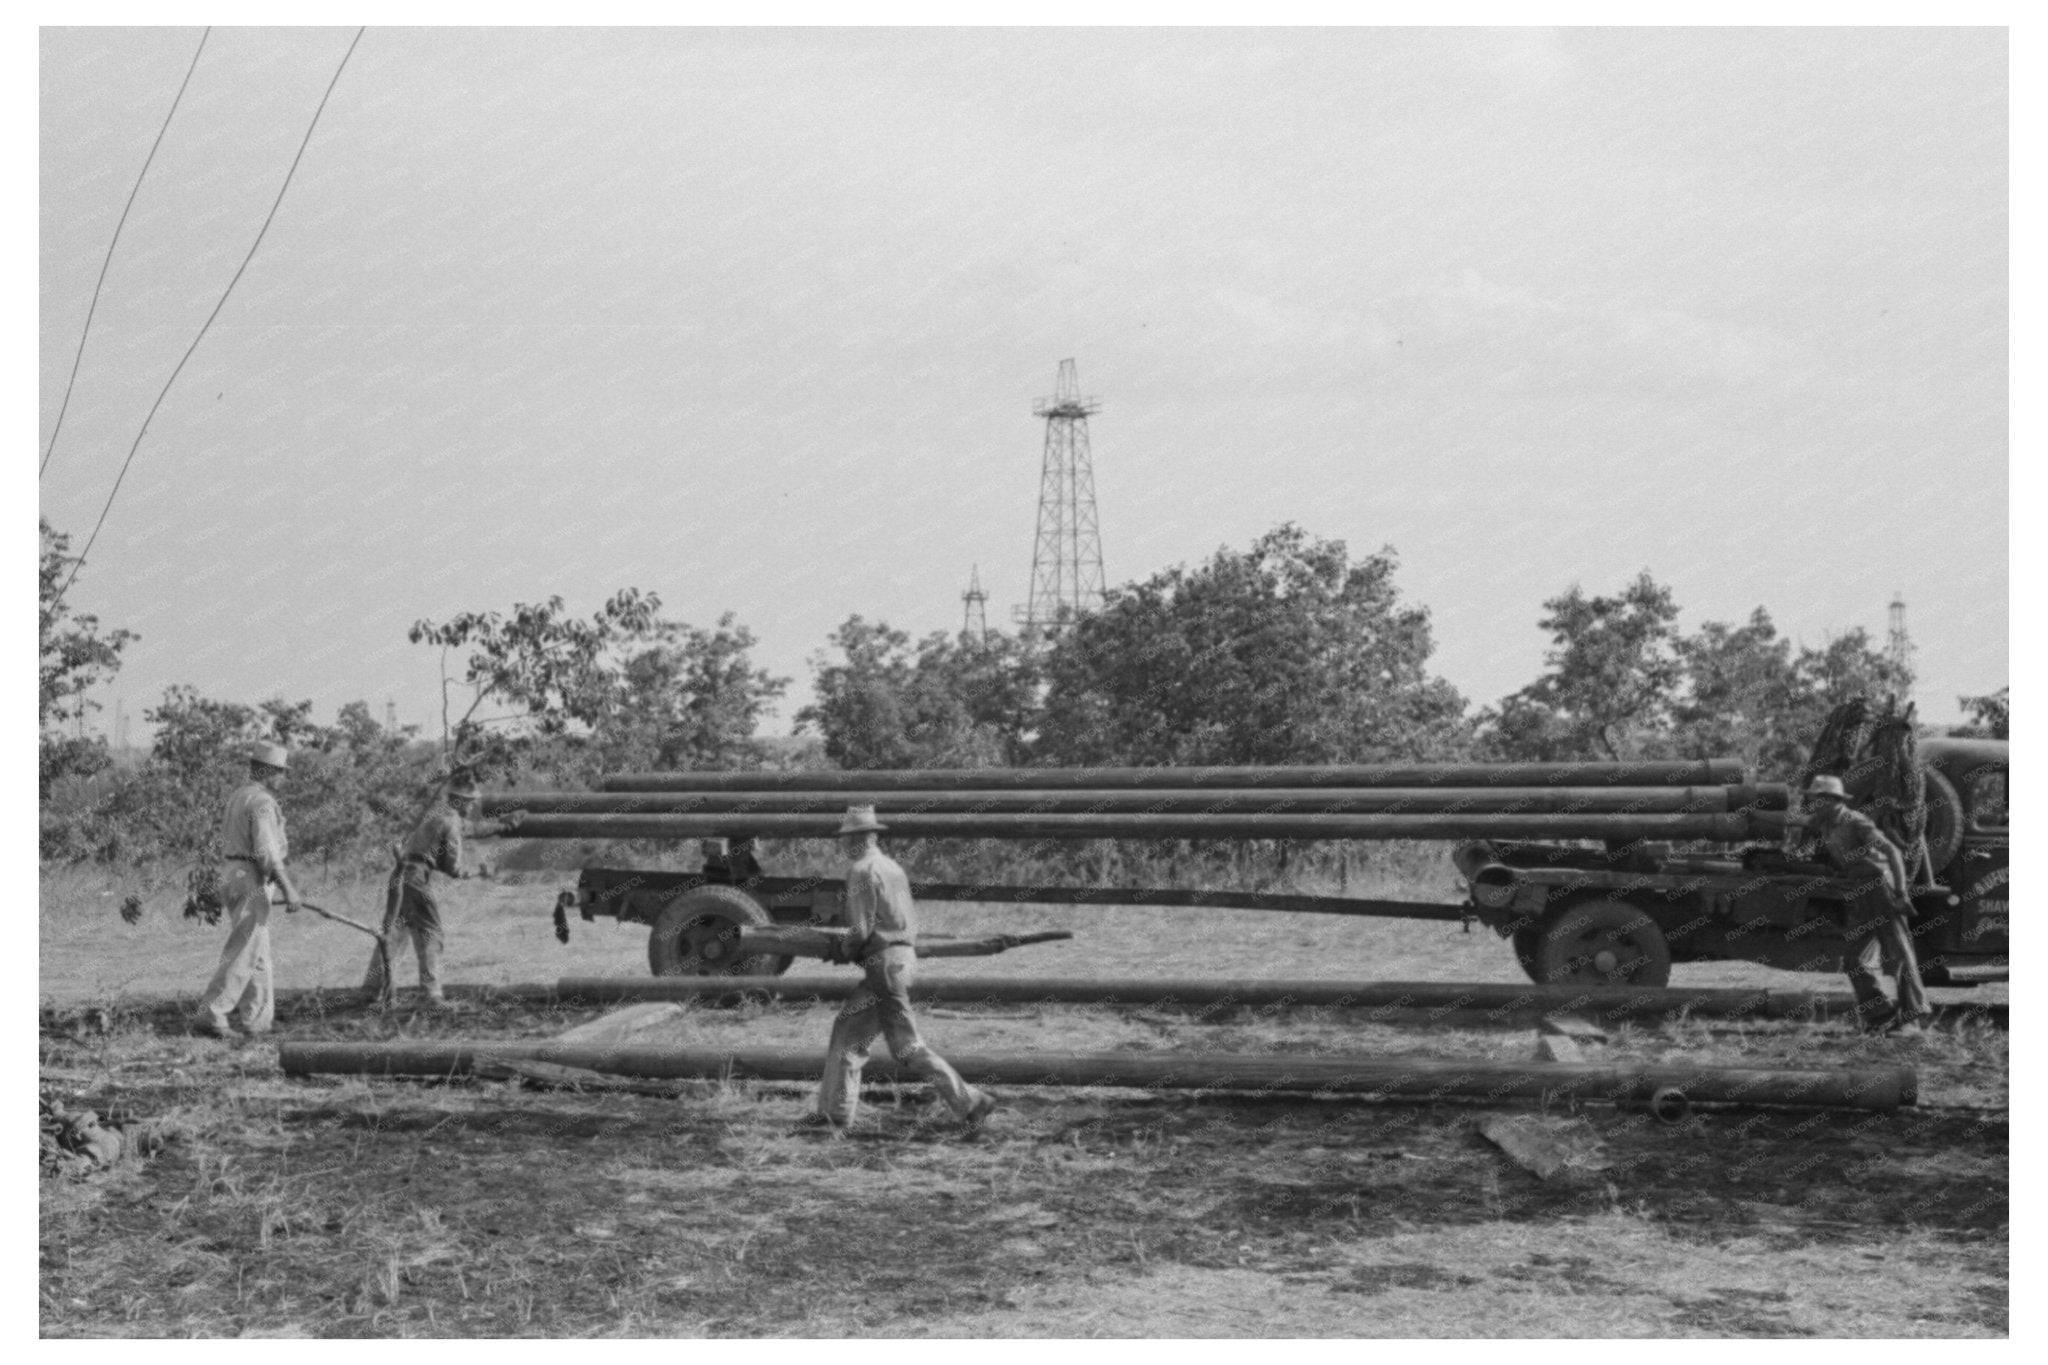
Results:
x,y
1290,651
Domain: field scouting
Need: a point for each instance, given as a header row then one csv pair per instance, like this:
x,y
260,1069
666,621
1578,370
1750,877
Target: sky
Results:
x,y
755,319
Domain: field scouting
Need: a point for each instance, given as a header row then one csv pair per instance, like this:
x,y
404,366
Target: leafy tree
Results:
x,y
73,658
1624,683
1990,716
982,694
560,671
350,786
1613,668
1286,652
1849,665
942,703
1743,696
692,699
862,706
355,786
626,687
170,806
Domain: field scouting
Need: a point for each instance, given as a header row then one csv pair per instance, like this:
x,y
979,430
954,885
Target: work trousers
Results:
x,y
1880,938
880,1008
241,985
413,914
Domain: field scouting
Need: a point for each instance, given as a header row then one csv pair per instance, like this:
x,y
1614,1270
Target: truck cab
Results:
x,y
1962,928
1624,914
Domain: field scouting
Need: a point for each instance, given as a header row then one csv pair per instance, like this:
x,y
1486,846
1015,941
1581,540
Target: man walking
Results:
x,y
253,845
410,908
882,938
1877,927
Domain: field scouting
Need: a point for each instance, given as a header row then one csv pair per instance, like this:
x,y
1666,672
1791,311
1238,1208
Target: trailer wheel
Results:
x,y
1602,943
696,934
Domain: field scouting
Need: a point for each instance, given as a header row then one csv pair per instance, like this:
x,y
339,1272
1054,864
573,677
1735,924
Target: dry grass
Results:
x,y
338,1207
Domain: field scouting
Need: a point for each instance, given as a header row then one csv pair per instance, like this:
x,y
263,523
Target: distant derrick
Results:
x,y
1066,557
974,616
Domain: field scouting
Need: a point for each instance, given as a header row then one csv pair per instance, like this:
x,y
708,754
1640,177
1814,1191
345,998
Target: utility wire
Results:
x,y
94,305
79,563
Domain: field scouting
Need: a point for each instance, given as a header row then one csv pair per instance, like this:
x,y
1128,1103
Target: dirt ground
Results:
x,y
335,1206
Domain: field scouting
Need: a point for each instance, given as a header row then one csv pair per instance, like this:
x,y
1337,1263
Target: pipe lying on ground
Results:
x,y
1694,773
1391,1078
1604,1003
1236,801
1724,828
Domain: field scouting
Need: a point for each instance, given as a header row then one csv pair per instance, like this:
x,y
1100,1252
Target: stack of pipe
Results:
x,y
1706,799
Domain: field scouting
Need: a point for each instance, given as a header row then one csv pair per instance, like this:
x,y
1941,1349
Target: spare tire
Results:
x,y
697,934
1944,823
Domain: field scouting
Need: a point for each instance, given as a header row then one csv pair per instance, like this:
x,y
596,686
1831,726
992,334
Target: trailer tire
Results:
x,y
1602,943
1944,823
693,935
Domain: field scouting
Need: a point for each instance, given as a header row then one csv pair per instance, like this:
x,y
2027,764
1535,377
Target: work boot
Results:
x,y
207,1027
978,1112
1905,1026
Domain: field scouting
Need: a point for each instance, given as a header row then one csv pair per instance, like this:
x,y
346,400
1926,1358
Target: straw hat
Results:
x,y
268,754
1826,786
861,820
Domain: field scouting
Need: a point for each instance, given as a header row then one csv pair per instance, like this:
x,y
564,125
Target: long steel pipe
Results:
x,y
1479,826
1692,773
1424,1080
1503,999
1235,801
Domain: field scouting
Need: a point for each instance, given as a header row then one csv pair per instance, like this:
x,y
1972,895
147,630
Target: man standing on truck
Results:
x,y
882,938
253,845
1878,927
411,910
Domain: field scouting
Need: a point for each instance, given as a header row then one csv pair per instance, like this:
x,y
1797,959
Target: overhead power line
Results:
x,y
94,305
204,327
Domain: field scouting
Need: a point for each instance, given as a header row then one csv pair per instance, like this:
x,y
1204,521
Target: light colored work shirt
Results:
x,y
1853,842
254,828
878,904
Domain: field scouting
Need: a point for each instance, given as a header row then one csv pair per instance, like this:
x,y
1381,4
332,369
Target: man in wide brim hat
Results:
x,y
254,849
411,909
881,923
1878,929
861,820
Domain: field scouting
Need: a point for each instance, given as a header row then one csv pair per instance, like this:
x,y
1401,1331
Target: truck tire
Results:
x,y
1944,823
1602,943
694,935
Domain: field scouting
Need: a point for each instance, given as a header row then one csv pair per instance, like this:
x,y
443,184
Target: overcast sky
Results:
x,y
755,319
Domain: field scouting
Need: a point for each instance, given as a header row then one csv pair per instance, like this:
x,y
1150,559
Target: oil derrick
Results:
x,y
974,617
1066,558
1898,649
